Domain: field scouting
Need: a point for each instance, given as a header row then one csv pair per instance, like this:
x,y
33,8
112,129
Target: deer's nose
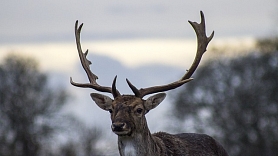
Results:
x,y
118,126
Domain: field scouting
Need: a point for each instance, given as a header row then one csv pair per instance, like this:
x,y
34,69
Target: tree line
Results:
x,y
31,117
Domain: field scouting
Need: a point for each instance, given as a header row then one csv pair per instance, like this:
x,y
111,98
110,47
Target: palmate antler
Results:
x,y
202,43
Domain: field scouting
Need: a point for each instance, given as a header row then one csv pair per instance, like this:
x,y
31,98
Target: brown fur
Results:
x,y
135,139
189,144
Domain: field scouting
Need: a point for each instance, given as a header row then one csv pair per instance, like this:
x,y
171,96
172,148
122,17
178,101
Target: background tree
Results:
x,y
236,100
82,140
28,107
269,44
31,118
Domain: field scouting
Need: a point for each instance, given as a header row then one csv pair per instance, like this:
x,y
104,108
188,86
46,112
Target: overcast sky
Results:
x,y
52,20
133,33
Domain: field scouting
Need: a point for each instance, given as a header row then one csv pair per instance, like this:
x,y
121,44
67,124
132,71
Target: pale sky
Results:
x,y
52,20
132,53
132,32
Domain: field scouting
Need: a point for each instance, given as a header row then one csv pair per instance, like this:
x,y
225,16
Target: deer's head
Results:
x,y
128,111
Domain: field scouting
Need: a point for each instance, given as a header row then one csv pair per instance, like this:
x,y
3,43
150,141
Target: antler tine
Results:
x,y
86,66
145,91
202,42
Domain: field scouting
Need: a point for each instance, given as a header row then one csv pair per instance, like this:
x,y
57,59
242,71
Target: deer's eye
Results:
x,y
110,111
139,110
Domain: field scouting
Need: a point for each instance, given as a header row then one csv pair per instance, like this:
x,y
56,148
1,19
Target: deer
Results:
x,y
128,111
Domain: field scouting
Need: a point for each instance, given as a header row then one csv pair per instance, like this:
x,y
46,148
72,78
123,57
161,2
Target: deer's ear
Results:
x,y
154,101
103,101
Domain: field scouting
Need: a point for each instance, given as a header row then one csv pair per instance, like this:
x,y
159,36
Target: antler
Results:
x,y
86,66
203,41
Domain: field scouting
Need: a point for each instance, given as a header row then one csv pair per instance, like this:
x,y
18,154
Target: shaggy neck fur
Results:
x,y
138,144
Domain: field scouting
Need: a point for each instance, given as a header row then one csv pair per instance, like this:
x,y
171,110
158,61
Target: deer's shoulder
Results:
x,y
184,144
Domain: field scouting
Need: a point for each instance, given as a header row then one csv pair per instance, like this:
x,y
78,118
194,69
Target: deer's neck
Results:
x,y
139,144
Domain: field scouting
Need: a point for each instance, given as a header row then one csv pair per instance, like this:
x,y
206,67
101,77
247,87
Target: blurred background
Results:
x,y
233,96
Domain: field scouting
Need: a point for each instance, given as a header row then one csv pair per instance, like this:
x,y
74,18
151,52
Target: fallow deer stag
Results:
x,y
128,111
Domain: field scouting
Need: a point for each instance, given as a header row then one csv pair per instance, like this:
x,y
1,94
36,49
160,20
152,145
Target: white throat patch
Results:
x,y
129,149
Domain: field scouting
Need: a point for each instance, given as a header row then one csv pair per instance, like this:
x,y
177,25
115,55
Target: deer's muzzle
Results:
x,y
120,128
